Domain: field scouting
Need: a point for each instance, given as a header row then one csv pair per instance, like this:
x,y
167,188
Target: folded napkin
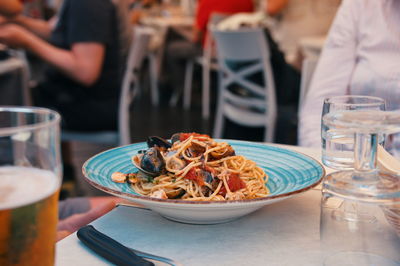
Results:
x,y
388,162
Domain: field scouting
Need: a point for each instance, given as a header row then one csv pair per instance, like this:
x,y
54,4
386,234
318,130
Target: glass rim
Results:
x,y
54,119
377,100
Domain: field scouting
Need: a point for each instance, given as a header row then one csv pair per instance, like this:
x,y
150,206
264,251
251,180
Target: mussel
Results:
x,y
207,176
175,193
175,163
155,141
195,150
151,162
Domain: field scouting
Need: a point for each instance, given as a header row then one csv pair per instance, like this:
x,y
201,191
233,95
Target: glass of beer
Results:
x,y
30,178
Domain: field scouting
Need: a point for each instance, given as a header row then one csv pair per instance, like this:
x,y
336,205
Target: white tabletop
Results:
x,y
168,21
284,233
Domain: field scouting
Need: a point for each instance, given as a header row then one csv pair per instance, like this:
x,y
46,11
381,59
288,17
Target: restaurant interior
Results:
x,y
278,80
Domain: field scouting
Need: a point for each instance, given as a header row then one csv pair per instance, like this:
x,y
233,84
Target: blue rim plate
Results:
x,y
289,172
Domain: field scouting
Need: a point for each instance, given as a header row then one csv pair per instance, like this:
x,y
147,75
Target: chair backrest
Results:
x,y
209,49
137,53
241,54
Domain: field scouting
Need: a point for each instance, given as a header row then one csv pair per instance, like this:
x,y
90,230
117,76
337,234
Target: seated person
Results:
x,y
359,58
180,49
85,57
85,61
206,8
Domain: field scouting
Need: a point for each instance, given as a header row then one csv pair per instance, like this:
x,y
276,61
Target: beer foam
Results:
x,y
20,186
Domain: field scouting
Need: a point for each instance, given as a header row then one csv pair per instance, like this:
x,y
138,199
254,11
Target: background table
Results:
x,y
283,233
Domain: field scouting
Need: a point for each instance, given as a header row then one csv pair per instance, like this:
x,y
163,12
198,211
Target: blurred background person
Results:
x,y
84,53
359,58
85,48
180,49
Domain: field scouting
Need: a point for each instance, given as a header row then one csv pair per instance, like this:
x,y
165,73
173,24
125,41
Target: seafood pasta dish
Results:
x,y
194,167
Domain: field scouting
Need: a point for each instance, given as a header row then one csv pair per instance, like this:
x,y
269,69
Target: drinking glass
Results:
x,y
362,192
30,178
337,144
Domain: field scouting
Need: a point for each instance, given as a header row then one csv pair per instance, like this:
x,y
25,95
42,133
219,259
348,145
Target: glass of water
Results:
x,y
338,143
359,207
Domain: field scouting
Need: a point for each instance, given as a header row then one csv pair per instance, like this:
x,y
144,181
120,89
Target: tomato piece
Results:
x,y
193,175
185,136
235,182
210,170
222,191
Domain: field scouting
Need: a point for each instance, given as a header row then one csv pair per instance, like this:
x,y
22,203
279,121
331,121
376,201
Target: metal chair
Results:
x,y
130,87
241,54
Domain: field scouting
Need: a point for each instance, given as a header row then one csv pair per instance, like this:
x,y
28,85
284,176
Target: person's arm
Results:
x,y
333,73
275,6
10,8
40,27
82,63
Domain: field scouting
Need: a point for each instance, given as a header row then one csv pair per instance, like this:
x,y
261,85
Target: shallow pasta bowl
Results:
x,y
290,173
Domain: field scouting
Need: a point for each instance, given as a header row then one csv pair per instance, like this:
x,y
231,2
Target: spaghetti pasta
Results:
x,y
201,169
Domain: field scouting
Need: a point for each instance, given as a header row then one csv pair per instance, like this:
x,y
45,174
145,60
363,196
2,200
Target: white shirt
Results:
x,y
361,57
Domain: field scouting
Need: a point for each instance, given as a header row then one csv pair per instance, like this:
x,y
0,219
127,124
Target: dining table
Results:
x,y
171,18
284,233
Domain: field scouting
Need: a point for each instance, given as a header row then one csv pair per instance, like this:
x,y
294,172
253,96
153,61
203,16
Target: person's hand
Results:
x,y
71,224
98,207
14,36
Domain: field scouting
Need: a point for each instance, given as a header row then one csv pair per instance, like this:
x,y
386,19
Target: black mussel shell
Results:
x,y
207,176
154,141
152,161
